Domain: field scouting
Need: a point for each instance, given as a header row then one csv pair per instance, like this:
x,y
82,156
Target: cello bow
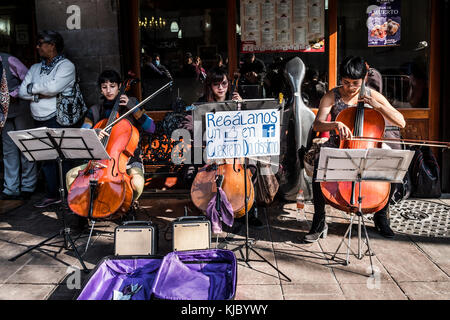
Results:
x,y
139,105
437,144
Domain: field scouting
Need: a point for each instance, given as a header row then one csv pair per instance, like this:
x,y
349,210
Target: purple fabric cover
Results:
x,y
116,274
226,215
197,275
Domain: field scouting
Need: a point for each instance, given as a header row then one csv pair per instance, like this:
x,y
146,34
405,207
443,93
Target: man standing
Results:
x,y
43,82
253,73
20,175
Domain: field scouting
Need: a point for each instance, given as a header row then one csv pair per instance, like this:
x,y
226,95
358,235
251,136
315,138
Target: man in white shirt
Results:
x,y
43,82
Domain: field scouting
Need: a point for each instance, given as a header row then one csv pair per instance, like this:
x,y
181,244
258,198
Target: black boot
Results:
x,y
382,224
319,229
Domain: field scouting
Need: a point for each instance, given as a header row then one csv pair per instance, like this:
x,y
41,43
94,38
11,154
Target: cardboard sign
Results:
x,y
235,134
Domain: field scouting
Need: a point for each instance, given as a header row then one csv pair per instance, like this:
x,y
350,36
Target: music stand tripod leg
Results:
x,y
349,242
66,230
247,247
35,246
368,246
361,219
343,238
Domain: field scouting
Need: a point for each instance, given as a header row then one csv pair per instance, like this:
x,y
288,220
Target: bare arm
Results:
x,y
381,104
321,124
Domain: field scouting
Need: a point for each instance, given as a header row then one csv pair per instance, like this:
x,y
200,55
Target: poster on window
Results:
x,y
282,25
384,23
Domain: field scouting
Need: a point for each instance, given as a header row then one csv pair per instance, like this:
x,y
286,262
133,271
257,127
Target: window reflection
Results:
x,y
404,68
180,41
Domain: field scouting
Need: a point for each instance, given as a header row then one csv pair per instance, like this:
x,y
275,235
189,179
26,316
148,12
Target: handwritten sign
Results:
x,y
235,134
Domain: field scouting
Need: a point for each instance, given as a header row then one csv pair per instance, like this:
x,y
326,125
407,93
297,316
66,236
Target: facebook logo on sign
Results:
x,y
268,130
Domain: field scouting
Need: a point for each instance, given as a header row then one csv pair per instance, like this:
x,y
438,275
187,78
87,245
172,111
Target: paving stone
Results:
x,y
426,290
256,273
42,275
404,261
25,291
358,270
411,267
258,292
8,270
438,249
373,291
304,269
312,291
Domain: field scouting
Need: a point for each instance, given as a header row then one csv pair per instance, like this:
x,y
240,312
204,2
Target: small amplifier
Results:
x,y
191,233
135,238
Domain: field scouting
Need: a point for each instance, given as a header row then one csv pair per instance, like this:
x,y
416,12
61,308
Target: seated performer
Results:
x,y
109,82
217,89
352,71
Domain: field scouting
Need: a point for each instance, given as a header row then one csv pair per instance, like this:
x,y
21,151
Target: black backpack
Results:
x,y
424,172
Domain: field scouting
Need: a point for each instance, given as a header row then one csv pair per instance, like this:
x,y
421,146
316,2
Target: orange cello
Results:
x,y
368,123
231,176
103,189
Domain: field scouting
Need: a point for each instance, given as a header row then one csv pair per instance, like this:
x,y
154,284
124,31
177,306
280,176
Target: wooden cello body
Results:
x,y
103,189
233,182
343,195
204,187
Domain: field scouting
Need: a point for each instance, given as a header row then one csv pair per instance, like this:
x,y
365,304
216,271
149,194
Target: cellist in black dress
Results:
x,y
352,71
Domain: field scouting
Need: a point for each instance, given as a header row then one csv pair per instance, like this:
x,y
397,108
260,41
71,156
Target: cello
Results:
x,y
103,189
368,123
231,176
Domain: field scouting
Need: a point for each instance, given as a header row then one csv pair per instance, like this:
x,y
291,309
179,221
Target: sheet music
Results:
x,y
75,143
371,164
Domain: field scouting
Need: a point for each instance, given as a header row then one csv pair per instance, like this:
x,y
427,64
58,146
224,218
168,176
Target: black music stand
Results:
x,y
59,144
248,104
356,166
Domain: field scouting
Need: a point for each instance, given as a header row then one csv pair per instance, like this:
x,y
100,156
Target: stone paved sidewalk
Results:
x,y
407,267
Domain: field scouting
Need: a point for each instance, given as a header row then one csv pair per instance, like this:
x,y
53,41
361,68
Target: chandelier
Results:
x,y
152,23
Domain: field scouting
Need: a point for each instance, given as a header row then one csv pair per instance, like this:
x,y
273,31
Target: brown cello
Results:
x,y
103,189
342,195
231,175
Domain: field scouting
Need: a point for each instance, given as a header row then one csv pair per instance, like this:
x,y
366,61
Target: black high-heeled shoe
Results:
x,y
319,229
312,237
382,225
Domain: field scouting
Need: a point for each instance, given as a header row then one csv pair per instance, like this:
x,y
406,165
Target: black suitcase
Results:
x,y
191,233
136,238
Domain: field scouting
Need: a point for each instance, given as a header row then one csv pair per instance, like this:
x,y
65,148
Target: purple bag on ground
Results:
x,y
186,275
197,275
116,274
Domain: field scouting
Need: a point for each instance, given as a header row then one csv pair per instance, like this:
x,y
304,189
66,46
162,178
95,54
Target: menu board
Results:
x,y
282,25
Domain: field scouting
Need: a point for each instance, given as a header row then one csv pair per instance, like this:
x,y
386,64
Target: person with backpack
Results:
x,y
54,75
20,175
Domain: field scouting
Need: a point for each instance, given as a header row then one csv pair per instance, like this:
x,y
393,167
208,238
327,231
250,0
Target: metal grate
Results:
x,y
420,218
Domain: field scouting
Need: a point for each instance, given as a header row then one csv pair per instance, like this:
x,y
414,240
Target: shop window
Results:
x,y
180,33
16,30
403,63
316,60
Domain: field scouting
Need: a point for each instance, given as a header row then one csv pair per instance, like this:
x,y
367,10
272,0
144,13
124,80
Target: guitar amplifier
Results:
x,y
191,233
135,238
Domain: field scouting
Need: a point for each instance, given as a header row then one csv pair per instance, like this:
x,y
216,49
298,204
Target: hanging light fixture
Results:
x,y
174,27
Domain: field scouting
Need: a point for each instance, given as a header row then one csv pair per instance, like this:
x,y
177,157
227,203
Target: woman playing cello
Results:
x,y
109,83
218,88
352,72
